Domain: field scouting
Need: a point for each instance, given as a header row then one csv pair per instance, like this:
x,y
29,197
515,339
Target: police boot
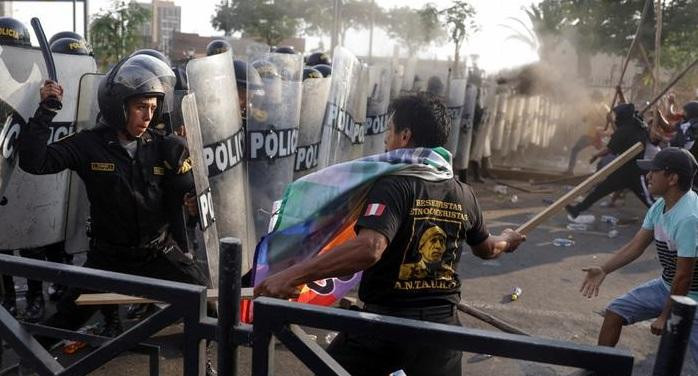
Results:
x,y
475,168
486,166
35,308
112,323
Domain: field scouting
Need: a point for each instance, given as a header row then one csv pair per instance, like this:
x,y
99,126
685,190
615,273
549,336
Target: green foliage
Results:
x,y
114,33
414,28
270,21
318,17
458,20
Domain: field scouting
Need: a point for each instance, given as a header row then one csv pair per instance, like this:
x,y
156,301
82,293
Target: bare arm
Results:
x,y
680,286
494,246
348,258
627,254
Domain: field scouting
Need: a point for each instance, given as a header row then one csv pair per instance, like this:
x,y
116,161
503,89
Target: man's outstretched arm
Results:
x,y
627,254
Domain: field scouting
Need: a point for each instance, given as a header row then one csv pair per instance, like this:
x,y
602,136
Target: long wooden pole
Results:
x,y
581,188
657,48
630,50
669,86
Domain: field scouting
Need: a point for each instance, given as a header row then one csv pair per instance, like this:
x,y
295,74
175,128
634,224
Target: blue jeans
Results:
x,y
647,301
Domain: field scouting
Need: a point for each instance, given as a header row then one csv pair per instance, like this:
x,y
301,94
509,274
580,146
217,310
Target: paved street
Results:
x,y
550,305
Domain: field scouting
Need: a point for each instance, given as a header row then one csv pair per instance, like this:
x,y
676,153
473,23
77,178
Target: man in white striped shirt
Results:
x,y
672,222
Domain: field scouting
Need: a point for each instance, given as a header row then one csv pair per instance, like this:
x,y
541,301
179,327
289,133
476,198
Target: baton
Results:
x,y
51,102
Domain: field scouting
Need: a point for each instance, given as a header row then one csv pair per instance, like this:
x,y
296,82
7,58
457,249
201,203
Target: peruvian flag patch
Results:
x,y
374,209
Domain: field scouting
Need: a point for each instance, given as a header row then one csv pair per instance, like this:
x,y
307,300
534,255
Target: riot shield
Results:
x,y
272,132
465,136
212,80
379,81
357,99
78,211
208,253
409,74
456,99
341,130
314,101
34,210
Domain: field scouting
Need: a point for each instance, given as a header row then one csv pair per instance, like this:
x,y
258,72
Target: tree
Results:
x,y
356,14
268,21
114,33
413,28
543,35
458,19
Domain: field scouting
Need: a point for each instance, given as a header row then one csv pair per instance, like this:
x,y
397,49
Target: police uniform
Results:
x,y
426,224
132,198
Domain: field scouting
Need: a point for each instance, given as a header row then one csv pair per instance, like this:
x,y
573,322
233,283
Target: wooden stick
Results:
x,y
112,298
486,317
581,188
669,86
645,10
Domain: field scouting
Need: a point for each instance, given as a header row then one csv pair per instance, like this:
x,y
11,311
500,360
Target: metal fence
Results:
x,y
282,319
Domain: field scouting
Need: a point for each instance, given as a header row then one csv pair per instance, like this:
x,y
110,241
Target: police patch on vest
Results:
x,y
376,125
272,144
343,121
306,157
157,170
224,155
102,167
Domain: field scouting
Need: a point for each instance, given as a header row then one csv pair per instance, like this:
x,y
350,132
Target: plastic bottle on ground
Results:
x,y
561,242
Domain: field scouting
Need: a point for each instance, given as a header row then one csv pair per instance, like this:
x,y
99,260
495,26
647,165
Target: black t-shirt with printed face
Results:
x,y
426,224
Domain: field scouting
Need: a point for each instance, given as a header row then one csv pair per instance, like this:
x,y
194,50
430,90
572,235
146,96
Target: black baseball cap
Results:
x,y
672,159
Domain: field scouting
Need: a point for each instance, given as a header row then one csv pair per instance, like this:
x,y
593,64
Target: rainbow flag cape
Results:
x,y
319,211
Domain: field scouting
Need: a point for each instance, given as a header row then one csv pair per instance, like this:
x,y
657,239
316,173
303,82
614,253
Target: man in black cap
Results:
x,y
672,222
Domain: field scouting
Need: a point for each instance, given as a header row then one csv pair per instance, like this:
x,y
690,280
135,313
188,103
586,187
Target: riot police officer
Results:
x,y
134,176
318,58
217,46
14,33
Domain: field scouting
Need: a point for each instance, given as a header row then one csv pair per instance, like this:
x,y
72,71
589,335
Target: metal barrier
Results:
x,y
281,319
184,302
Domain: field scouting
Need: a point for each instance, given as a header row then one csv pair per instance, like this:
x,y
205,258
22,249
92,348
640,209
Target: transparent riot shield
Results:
x,y
379,81
272,132
212,80
465,136
207,253
78,212
455,102
341,130
314,101
358,106
34,210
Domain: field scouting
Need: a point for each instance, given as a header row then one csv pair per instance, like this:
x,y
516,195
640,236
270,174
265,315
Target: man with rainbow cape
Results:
x,y
399,218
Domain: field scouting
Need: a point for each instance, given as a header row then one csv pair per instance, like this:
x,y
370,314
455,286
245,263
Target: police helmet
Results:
x,y
285,50
309,72
66,34
135,76
266,69
247,79
70,46
154,53
318,58
326,70
217,46
13,33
